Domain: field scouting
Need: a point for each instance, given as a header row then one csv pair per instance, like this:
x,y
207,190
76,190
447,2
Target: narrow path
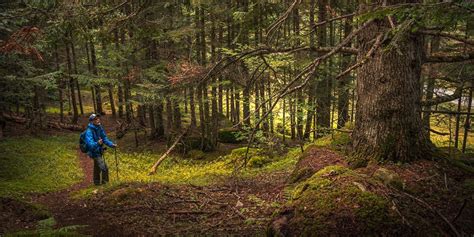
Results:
x,y
236,207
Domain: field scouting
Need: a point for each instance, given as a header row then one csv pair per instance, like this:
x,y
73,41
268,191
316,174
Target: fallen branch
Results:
x,y
72,127
155,166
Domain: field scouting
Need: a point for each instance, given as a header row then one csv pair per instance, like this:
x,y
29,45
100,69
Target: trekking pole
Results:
x,y
116,163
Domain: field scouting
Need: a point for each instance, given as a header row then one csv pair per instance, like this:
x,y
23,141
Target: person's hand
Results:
x,y
101,142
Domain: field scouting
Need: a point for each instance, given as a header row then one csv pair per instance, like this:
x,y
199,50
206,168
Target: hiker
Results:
x,y
95,139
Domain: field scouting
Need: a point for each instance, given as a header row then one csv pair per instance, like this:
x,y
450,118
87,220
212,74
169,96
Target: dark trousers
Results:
x,y
100,169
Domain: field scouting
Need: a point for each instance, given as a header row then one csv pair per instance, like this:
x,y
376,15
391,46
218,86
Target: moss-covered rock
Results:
x,y
228,135
332,202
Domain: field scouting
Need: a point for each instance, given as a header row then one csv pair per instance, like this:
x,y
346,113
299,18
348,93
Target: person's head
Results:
x,y
95,119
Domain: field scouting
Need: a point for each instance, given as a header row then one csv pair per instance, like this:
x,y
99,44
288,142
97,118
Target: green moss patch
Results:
x,y
333,197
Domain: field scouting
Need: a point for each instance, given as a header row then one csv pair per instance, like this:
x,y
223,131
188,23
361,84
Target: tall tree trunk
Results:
x,y
71,86
169,115
388,124
237,106
430,86
98,97
192,107
264,106
151,118
257,103
176,114
343,83
89,67
311,87
119,89
160,128
323,102
74,63
60,85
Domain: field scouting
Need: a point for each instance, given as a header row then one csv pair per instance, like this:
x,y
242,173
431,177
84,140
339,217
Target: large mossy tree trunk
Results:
x,y
388,124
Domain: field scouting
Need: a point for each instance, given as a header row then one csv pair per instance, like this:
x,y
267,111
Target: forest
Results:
x,y
236,117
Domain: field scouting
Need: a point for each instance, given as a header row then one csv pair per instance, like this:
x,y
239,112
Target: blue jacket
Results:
x,y
93,133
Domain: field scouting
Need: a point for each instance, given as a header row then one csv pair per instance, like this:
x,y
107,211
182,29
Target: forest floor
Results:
x,y
241,207
197,197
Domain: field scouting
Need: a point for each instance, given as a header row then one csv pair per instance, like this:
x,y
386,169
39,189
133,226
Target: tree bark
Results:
x,y
388,124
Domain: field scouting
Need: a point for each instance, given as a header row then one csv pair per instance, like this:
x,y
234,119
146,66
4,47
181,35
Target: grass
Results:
x,y
38,165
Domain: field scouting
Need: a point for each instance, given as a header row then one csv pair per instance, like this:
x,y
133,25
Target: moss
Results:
x,y
332,170
330,198
334,141
258,161
300,175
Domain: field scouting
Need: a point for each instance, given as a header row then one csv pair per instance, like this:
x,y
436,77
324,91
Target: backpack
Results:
x,y
82,142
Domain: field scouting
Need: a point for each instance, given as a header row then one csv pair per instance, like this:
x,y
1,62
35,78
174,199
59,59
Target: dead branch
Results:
x,y
155,166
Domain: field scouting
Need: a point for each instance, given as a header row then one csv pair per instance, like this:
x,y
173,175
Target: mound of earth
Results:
x,y
423,198
312,160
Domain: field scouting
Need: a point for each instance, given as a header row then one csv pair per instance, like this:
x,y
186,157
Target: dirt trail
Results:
x,y
241,207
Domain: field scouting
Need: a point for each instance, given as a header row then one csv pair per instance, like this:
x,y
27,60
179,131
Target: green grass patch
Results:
x,y
37,165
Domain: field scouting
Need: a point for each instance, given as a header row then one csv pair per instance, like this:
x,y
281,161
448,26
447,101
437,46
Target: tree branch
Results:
x,y
460,38
438,100
443,58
